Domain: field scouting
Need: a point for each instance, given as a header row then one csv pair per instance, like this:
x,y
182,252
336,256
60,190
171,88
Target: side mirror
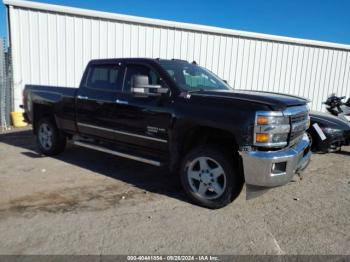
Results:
x,y
140,86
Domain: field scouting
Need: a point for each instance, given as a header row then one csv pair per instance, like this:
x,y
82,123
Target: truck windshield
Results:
x,y
192,77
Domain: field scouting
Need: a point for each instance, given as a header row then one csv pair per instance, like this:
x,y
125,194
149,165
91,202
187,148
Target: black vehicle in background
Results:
x,y
337,107
180,115
328,133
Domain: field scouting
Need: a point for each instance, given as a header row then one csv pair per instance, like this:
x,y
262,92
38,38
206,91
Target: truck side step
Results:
x,y
117,153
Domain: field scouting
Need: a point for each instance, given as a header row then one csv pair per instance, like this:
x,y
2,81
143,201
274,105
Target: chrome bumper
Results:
x,y
275,168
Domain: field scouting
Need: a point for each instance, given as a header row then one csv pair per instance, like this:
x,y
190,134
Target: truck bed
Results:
x,y
60,100
56,90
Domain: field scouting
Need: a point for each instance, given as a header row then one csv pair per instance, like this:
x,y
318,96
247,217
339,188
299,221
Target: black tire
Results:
x,y
313,140
230,189
317,145
57,139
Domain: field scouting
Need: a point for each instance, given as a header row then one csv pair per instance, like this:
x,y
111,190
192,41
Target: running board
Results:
x,y
116,153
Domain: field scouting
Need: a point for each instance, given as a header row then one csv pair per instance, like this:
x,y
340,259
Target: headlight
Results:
x,y
277,138
262,138
270,138
272,120
271,129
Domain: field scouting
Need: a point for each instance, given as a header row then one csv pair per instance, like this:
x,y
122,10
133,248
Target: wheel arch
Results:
x,y
204,135
42,111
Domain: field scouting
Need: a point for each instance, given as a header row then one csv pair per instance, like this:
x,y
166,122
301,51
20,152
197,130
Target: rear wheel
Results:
x,y
209,178
333,148
50,139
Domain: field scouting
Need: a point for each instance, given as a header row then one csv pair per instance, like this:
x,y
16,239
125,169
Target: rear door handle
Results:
x,y
121,102
82,97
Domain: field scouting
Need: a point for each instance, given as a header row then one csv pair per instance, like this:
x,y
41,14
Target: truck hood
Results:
x,y
274,100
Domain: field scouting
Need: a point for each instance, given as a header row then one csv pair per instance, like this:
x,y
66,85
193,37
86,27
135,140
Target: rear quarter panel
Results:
x,y
58,102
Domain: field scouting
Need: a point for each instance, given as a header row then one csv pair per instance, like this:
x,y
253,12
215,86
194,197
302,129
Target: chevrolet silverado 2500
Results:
x,y
178,114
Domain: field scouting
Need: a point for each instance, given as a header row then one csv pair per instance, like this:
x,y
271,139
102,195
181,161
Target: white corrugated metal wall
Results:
x,y
52,44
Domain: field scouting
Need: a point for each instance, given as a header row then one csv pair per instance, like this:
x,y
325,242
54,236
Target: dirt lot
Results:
x,y
86,202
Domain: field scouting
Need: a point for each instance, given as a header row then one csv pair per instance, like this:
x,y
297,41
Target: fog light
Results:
x,y
278,169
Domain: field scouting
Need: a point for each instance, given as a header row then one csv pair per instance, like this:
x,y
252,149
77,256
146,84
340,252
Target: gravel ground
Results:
x,y
86,202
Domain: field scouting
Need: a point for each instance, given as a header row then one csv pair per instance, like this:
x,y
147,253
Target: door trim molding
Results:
x,y
123,133
117,153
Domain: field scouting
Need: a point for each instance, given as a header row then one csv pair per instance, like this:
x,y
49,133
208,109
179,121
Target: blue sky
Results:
x,y
325,20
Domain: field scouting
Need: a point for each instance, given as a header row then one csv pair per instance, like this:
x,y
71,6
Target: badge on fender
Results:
x,y
319,131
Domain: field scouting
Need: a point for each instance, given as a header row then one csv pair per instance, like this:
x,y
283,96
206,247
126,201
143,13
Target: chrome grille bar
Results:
x,y
299,119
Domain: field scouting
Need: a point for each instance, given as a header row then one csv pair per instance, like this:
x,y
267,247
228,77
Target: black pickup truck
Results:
x,y
180,115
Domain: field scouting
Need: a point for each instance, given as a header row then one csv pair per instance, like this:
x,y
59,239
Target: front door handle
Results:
x,y
121,102
82,97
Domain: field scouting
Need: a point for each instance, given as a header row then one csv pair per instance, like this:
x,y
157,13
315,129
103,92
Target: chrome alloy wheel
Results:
x,y
206,178
310,138
45,136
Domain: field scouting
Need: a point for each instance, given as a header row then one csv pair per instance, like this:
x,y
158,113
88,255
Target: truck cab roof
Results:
x,y
138,59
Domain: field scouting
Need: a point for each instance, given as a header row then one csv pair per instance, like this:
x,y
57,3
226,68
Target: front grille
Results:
x,y
299,124
295,135
299,117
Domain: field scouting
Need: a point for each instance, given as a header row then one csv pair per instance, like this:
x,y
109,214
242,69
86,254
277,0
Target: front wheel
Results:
x,y
311,139
209,177
50,140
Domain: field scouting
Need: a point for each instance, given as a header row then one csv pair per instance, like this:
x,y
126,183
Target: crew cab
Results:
x,y
176,114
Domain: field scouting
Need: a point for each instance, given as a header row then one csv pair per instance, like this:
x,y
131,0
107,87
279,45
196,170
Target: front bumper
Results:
x,y
260,166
